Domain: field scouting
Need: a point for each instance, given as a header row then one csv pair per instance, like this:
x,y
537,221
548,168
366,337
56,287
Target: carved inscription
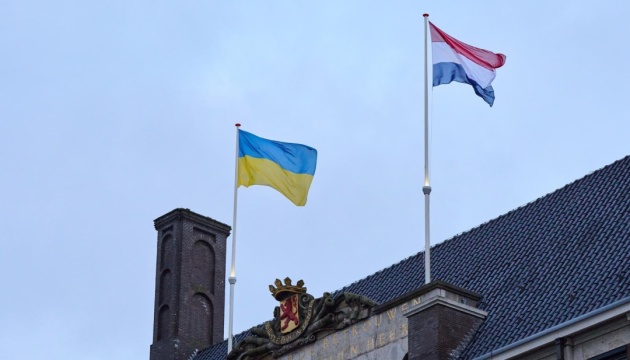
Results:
x,y
379,331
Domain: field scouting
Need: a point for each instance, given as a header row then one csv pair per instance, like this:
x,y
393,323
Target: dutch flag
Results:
x,y
454,60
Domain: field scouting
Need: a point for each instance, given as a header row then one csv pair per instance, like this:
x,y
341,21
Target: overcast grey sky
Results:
x,y
114,113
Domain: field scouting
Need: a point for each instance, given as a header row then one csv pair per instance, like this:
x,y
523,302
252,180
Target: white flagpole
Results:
x,y
232,278
426,189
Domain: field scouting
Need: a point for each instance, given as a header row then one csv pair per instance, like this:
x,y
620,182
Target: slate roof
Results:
x,y
219,351
542,264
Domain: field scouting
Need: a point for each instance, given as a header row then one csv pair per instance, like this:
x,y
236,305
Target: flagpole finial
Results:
x,y
237,125
425,15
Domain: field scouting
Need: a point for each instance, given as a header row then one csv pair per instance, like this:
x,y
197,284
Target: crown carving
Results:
x,y
281,291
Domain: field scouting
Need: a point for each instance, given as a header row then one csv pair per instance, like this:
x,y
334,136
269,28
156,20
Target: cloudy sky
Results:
x,y
114,113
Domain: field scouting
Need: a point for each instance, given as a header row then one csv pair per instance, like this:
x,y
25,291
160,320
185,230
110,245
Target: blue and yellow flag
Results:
x,y
286,167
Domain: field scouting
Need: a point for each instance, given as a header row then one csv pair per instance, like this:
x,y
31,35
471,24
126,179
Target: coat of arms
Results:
x,y
293,313
289,316
298,319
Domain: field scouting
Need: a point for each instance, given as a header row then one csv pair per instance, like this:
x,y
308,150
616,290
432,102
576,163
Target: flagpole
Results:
x,y
426,189
232,278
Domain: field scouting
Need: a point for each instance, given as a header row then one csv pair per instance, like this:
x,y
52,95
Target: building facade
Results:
x,y
548,280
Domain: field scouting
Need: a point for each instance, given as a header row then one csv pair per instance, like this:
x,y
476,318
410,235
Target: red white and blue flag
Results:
x,y
454,60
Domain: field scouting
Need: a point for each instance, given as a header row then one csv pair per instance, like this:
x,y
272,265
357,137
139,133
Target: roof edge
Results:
x,y
476,228
540,198
606,312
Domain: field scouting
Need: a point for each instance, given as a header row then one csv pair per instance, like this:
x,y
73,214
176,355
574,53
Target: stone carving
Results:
x,y
299,319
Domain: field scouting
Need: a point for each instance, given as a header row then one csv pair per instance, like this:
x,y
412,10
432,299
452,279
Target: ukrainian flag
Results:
x,y
286,167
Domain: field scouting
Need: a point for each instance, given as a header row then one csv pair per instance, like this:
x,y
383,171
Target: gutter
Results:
x,y
555,328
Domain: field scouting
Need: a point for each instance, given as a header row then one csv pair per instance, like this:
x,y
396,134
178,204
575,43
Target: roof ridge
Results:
x,y
408,258
454,237
547,195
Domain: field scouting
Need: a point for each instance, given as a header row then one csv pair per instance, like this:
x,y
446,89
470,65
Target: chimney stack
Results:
x,y
443,322
189,284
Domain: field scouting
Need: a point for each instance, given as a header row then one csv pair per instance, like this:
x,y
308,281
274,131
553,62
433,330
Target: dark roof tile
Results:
x,y
544,263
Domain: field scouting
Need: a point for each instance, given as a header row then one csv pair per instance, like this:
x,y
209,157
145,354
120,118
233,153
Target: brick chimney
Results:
x,y
189,284
443,322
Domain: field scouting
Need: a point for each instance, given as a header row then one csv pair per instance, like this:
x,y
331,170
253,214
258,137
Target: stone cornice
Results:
x,y
424,290
181,213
